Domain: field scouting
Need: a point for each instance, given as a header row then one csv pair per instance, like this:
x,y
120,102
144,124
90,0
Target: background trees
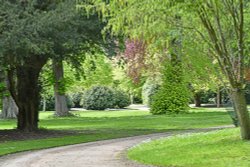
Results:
x,y
220,26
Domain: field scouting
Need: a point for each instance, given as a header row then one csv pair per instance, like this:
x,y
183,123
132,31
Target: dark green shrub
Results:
x,y
173,96
1,103
121,99
206,96
50,103
137,100
98,98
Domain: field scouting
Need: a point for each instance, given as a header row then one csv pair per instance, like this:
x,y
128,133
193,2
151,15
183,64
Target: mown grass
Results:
x,y
222,148
100,125
129,120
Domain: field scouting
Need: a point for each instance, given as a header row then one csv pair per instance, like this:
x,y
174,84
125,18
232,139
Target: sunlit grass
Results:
x,y
218,149
130,119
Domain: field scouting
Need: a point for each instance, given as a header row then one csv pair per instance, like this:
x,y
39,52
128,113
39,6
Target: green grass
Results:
x,y
100,125
119,120
18,146
222,148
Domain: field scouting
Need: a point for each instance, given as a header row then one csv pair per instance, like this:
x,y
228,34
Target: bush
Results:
x,y
137,99
69,101
173,96
76,99
102,97
149,89
50,103
121,99
98,98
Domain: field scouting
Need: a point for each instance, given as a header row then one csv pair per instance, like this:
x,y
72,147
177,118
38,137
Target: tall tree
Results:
x,y
31,33
224,23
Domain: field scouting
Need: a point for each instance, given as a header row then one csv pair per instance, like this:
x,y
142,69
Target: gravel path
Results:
x,y
108,153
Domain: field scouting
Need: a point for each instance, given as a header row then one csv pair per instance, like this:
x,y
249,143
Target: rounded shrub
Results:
x,y
121,99
98,98
103,97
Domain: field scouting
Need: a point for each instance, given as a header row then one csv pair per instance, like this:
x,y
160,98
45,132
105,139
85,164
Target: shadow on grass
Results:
x,y
16,135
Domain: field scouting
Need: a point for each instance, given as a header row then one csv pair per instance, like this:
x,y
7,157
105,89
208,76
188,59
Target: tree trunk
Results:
x,y
197,99
28,98
26,91
10,109
218,98
239,101
44,104
61,108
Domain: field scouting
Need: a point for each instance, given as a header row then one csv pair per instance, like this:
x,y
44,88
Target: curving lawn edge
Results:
x,y
10,147
222,148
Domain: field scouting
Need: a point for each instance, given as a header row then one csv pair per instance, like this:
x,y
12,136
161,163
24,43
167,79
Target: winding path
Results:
x,y
108,153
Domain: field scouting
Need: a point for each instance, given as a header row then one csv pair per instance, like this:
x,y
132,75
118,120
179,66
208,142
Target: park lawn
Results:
x,y
100,125
222,148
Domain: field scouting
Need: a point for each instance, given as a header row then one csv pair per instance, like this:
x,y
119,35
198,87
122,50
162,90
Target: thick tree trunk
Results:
x,y
197,99
239,101
10,109
61,108
28,93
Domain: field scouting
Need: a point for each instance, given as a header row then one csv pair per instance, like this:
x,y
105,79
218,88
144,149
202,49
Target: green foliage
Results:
x,y
2,89
121,99
1,103
98,98
103,97
76,99
122,81
50,103
97,71
173,96
149,89
206,96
